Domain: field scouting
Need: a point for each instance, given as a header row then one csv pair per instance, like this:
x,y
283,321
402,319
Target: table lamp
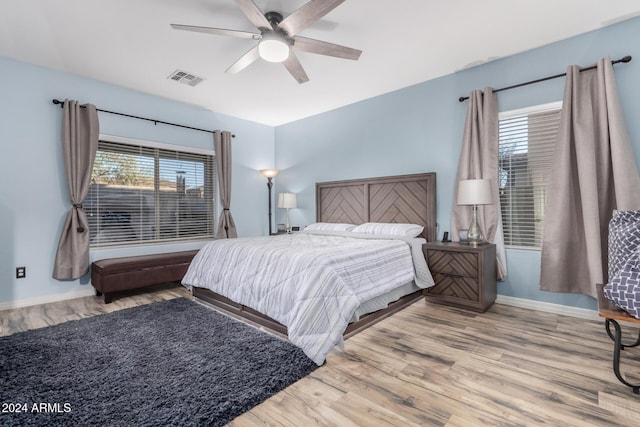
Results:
x,y
287,201
474,192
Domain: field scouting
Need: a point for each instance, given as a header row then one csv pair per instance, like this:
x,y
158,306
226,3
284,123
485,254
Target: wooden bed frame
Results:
x,y
392,199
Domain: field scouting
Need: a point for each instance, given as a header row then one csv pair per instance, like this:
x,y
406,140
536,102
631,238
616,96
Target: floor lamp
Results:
x,y
474,192
269,174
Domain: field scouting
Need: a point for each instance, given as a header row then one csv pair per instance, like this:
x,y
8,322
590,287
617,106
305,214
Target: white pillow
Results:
x,y
329,226
406,230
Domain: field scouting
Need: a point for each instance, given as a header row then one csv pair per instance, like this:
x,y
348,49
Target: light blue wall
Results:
x,y
33,193
416,129
419,129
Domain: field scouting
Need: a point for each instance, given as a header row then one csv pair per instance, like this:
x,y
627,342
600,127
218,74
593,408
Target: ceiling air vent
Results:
x,y
185,78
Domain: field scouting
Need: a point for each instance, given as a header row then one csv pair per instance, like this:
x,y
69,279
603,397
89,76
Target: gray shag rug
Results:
x,y
173,362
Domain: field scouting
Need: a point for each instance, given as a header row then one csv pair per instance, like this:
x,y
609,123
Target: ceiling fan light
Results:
x,y
273,50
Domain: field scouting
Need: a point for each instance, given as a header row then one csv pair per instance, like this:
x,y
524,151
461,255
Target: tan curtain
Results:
x,y
479,160
79,146
593,173
226,225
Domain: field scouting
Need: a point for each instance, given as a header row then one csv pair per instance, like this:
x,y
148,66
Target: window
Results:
x,y
144,192
527,141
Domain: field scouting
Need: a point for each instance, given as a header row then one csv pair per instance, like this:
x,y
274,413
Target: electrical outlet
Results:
x,y
21,272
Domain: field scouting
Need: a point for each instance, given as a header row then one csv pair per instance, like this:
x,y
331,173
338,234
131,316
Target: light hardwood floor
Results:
x,y
433,365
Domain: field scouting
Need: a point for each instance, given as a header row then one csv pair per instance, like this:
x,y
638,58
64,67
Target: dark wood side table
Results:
x,y
465,275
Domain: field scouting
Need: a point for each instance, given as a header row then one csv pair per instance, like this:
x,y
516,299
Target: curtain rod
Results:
x,y
55,101
624,59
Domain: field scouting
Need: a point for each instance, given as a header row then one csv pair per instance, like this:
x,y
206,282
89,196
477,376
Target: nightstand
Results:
x,y
465,275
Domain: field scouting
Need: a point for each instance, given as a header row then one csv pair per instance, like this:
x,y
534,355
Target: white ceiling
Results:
x,y
130,43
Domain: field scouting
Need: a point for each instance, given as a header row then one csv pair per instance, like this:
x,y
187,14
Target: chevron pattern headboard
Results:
x,y
397,199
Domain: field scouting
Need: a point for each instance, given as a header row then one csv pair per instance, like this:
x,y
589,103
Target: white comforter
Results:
x,y
311,282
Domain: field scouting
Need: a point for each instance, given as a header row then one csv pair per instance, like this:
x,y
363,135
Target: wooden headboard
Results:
x,y
397,199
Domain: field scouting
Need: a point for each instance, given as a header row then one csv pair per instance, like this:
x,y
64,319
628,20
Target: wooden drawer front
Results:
x,y
457,263
449,287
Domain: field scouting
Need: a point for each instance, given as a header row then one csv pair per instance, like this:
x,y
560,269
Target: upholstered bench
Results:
x,y
134,272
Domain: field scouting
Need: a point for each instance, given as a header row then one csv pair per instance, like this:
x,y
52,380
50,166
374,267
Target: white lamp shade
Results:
x,y
287,201
269,173
474,192
273,49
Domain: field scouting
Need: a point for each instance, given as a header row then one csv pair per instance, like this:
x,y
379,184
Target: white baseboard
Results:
x,y
548,307
8,305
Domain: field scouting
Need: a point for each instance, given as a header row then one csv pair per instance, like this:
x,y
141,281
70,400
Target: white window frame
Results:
x,y
170,147
539,189
155,144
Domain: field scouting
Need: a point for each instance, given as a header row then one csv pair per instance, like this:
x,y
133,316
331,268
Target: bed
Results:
x,y
321,286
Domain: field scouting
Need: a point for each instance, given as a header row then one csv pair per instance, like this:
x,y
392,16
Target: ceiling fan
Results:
x,y
278,37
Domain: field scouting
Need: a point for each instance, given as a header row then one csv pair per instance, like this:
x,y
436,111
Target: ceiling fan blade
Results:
x,y
253,12
244,61
306,15
325,48
293,65
217,31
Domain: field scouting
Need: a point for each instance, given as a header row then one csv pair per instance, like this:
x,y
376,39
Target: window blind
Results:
x,y
525,153
141,194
